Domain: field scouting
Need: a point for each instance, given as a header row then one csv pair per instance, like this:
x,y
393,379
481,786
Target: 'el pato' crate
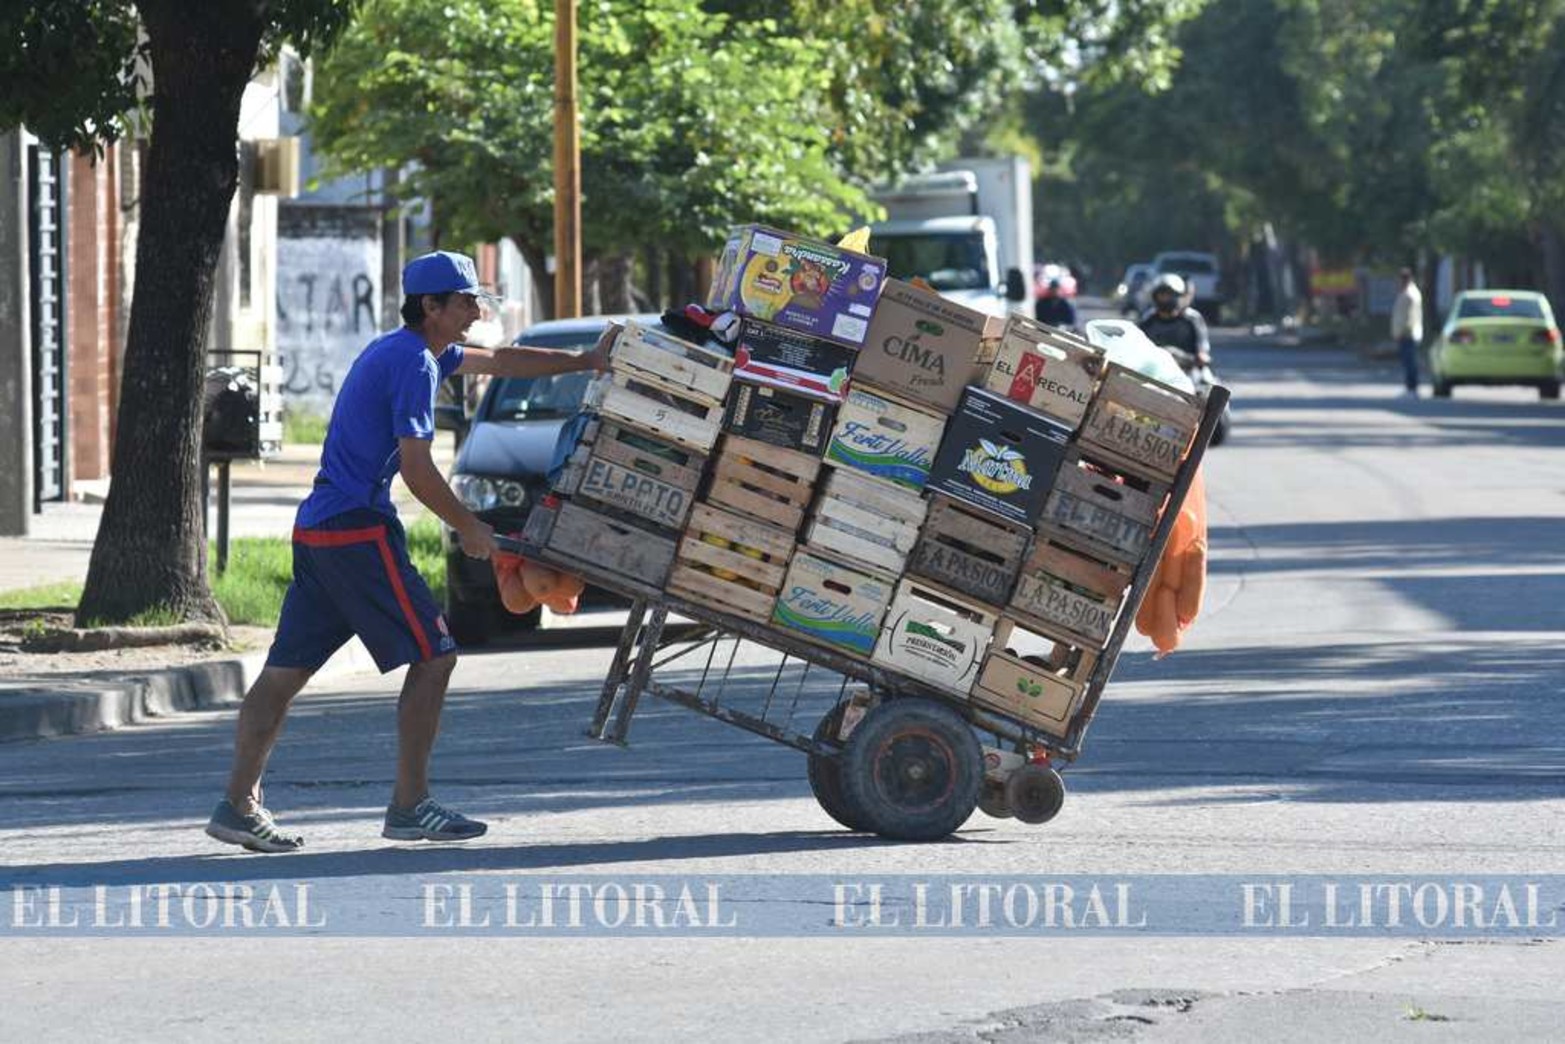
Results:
x,y
635,473
731,563
1109,516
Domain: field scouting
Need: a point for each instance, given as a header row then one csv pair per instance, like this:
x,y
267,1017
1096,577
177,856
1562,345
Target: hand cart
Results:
x,y
888,754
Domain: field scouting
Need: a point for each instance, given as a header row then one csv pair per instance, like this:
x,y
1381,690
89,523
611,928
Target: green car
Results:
x,y
1499,337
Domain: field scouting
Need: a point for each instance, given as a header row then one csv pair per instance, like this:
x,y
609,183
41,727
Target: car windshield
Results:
x,y
543,398
948,262
1499,306
1189,265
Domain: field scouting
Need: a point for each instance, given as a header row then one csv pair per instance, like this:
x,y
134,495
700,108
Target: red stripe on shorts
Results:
x,y
376,534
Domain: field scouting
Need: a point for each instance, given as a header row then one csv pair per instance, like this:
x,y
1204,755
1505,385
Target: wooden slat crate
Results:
x,y
886,439
732,563
1068,590
935,635
1043,691
603,540
639,350
661,409
1140,424
635,474
763,481
1050,370
832,603
864,520
1106,517
969,551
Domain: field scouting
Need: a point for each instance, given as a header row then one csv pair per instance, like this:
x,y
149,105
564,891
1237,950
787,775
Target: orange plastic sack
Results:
x,y
1179,586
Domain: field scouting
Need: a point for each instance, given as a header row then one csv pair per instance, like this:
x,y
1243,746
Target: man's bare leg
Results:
x,y
260,723
418,722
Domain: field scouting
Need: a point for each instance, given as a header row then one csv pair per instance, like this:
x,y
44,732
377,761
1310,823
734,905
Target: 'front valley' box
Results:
x,y
801,283
925,347
999,456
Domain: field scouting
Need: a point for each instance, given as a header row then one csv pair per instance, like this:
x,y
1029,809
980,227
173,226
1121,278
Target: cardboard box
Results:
x,y
885,439
925,347
1047,369
781,418
793,361
803,284
999,456
834,604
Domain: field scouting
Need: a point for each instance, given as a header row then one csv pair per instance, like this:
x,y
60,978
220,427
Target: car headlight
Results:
x,y
481,493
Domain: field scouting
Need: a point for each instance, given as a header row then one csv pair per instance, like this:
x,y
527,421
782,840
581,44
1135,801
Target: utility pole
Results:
x,y
567,166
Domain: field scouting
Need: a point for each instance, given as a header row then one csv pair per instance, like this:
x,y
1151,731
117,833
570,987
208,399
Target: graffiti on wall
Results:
x,y
328,298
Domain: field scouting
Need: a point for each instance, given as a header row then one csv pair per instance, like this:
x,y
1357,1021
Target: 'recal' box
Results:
x,y
999,456
925,347
1047,369
784,358
804,284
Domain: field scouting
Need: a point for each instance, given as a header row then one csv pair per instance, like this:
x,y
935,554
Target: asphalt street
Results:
x,y
1374,688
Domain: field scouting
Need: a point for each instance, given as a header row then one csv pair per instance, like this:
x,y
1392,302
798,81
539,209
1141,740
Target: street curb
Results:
x,y
44,708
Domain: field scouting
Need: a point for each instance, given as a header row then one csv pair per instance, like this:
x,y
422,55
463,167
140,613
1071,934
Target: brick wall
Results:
x,y
93,227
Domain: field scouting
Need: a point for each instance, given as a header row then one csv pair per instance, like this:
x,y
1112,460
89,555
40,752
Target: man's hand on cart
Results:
x,y
477,539
598,358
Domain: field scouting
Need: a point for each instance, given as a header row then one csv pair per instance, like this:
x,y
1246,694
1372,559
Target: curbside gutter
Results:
x,y
43,708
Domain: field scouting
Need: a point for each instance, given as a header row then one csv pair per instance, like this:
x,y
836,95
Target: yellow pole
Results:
x,y
567,166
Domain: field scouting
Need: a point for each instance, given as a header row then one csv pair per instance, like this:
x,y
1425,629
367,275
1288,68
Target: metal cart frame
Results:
x,y
646,645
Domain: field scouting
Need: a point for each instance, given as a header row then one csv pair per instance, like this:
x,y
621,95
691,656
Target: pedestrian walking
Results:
x,y
1407,329
351,572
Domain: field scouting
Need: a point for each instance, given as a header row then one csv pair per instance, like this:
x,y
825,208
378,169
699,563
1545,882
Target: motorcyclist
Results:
x,y
1055,308
1173,324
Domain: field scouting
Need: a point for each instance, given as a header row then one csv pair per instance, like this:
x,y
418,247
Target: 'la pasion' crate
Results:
x,y
969,551
1069,591
1141,423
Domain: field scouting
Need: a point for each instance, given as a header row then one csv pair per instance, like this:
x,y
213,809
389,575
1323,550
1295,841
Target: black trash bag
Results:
x,y
231,406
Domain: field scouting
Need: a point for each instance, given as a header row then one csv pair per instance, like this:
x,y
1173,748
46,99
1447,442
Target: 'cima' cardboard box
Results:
x,y
801,283
925,347
999,456
793,361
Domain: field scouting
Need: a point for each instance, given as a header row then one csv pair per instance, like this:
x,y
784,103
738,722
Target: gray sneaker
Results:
x,y
257,831
430,821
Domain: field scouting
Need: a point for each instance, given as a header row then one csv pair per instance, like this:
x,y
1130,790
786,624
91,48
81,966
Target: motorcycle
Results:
x,y
1202,377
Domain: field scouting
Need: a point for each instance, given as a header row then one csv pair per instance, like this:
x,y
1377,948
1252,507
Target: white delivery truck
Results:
x,y
966,229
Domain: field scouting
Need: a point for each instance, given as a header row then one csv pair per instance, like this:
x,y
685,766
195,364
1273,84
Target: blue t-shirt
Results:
x,y
389,393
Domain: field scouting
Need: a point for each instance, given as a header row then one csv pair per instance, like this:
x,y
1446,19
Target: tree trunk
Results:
x,y
543,281
614,289
591,299
150,552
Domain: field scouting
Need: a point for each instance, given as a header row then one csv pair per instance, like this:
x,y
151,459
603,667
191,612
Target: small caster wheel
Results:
x,y
825,776
992,802
1035,793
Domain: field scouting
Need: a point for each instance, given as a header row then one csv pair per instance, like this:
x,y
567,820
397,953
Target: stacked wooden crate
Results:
x,y
629,485
1094,531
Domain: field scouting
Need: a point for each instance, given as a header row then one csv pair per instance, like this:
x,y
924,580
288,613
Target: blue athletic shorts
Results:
x,y
352,576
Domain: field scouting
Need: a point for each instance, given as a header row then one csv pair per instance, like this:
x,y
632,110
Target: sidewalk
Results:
x,y
264,496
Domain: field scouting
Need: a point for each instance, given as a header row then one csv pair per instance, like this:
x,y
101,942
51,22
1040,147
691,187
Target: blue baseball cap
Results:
x,y
441,272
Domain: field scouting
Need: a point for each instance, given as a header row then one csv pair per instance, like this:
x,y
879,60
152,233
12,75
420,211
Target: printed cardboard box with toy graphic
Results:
x,y
800,283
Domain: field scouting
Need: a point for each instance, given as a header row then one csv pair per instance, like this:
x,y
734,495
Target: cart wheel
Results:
x,y
913,768
992,801
1036,793
826,775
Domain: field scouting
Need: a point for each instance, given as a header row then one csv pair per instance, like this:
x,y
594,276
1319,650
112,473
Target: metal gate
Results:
x,y
47,248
